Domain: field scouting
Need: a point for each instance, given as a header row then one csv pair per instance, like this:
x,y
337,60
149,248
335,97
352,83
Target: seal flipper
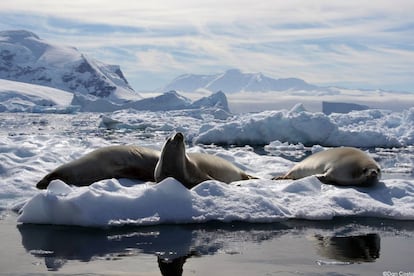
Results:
x,y
282,177
44,182
324,178
194,181
327,178
248,177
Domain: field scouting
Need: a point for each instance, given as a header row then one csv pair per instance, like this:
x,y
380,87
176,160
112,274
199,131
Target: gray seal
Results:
x,y
108,162
345,166
193,168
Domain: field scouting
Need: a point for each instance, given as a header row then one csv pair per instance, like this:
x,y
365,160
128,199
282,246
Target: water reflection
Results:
x,y
173,245
173,267
352,249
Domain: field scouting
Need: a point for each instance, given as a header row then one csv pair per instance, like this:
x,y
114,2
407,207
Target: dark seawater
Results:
x,y
363,246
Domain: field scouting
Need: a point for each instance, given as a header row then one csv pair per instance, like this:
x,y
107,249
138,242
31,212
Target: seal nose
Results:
x,y
373,174
370,172
179,136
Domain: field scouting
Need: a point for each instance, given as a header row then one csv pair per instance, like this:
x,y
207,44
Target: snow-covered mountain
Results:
x,y
18,96
167,101
218,100
234,80
24,57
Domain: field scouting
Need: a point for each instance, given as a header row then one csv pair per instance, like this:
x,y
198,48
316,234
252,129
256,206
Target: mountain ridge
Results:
x,y
234,80
18,96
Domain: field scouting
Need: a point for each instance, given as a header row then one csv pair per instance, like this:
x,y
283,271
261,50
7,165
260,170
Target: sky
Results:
x,y
353,44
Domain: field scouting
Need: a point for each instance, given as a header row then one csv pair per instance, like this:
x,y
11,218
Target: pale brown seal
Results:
x,y
345,166
193,168
104,163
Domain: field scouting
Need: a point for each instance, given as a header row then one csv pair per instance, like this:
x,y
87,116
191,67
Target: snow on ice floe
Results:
x,y
109,203
370,128
121,202
367,129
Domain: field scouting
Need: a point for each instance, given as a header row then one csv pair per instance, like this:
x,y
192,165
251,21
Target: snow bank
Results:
x,y
108,203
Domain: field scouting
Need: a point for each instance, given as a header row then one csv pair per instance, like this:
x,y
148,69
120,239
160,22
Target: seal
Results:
x,y
108,162
345,166
193,168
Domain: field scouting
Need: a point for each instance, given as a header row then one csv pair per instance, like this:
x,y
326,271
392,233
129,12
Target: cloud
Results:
x,y
367,43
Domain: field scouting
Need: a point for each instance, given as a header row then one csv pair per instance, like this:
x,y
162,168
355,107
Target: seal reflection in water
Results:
x,y
193,168
354,249
105,163
344,166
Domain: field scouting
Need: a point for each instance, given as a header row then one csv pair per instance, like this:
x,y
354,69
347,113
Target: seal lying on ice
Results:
x,y
345,166
107,162
193,168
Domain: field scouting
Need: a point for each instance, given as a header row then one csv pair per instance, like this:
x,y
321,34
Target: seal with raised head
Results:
x,y
108,162
345,166
193,168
